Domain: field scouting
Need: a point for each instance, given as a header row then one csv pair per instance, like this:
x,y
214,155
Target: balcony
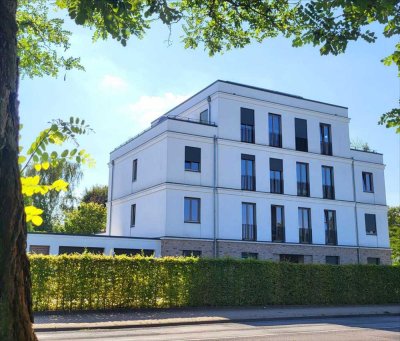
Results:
x,y
328,192
248,182
330,237
305,235
303,189
249,232
278,234
326,148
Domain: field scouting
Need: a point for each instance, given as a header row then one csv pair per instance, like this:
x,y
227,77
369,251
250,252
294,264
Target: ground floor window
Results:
x,y
191,253
333,260
291,258
249,255
40,249
373,260
133,252
79,249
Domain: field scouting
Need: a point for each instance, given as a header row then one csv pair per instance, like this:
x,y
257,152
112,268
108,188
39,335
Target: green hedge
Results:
x,y
79,282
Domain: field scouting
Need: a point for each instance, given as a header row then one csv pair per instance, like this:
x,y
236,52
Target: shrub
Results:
x,y
79,282
88,218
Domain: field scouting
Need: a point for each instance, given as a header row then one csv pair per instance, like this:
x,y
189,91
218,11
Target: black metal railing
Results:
x,y
249,182
275,140
303,189
328,192
276,186
249,232
326,148
331,237
278,234
247,133
305,235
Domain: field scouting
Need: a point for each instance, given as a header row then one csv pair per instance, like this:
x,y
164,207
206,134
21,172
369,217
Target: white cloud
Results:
x,y
113,83
147,108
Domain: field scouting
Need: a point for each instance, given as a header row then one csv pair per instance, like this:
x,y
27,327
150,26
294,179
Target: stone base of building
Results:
x,y
316,254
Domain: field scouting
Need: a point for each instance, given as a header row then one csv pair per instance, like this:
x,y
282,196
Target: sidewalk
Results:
x,y
170,317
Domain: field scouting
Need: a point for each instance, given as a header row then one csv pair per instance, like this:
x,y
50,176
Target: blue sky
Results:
x,y
125,88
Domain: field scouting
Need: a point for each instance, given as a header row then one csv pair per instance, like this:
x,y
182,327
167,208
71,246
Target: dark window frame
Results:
x,y
276,183
370,218
275,233
305,232
330,233
191,253
192,163
326,144
368,186
249,225
191,220
250,255
201,116
133,215
373,261
248,181
134,169
301,135
291,258
332,260
132,252
328,191
303,190
247,125
274,139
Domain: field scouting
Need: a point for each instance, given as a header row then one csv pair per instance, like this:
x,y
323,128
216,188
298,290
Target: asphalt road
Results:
x,y
347,328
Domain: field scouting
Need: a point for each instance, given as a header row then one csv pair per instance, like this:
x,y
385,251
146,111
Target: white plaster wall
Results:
x,y
379,194
175,225
382,236
108,243
150,214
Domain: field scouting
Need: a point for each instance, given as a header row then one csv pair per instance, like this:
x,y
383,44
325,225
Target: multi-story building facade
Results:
x,y
241,171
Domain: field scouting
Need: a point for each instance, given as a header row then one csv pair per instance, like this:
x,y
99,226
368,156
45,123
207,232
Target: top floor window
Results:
x,y
247,125
134,170
204,117
368,182
301,134
192,159
326,139
275,130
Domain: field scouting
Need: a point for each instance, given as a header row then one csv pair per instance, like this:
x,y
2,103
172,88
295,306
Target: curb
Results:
x,y
100,325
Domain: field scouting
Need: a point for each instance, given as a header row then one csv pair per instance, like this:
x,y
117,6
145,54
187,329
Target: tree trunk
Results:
x,y
15,298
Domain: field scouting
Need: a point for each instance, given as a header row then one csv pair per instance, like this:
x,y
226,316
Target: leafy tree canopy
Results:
x,y
394,232
88,218
97,194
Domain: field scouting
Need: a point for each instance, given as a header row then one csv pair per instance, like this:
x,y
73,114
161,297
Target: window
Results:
x,y
248,172
40,249
275,130
370,223
192,210
304,215
332,260
192,159
373,260
291,258
79,249
191,253
330,227
301,134
249,255
326,139
249,226
204,117
247,125
133,252
303,184
328,189
133,215
276,175
368,182
134,170
278,223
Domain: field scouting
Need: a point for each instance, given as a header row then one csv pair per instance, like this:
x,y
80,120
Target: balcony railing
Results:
x,y
305,235
328,192
331,237
249,182
276,186
249,232
326,148
303,189
247,133
278,234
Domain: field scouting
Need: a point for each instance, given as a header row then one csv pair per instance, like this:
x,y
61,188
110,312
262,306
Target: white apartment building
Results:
x,y
241,171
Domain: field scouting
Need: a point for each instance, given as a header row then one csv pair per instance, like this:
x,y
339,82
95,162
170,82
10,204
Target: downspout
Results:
x,y
111,196
355,210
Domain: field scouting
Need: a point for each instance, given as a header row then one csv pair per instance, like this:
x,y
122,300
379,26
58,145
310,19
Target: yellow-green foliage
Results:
x,y
79,282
